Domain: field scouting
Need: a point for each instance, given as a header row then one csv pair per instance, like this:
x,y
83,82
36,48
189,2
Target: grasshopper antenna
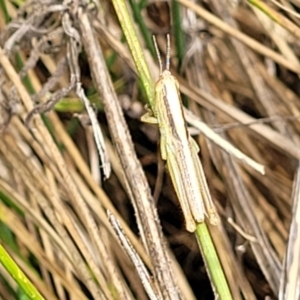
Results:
x,y
158,55
168,53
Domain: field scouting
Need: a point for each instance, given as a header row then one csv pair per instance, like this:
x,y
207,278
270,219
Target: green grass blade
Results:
x,y
144,30
18,275
135,48
212,262
178,32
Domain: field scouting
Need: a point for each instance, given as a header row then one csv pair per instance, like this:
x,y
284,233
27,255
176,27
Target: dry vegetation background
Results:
x,y
238,68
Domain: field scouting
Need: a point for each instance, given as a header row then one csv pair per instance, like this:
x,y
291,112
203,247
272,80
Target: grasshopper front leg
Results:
x,y
148,117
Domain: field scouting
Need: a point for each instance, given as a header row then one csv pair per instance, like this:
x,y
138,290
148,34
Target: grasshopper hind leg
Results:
x,y
208,202
180,192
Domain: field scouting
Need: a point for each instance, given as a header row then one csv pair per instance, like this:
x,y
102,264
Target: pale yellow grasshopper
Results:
x,y
179,149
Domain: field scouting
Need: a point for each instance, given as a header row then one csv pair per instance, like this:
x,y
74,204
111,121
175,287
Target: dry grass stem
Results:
x,y
73,147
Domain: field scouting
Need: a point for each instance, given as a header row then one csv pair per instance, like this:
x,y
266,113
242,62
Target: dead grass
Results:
x,y
239,75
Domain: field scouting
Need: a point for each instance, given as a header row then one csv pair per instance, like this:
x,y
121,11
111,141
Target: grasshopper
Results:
x,y
179,149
